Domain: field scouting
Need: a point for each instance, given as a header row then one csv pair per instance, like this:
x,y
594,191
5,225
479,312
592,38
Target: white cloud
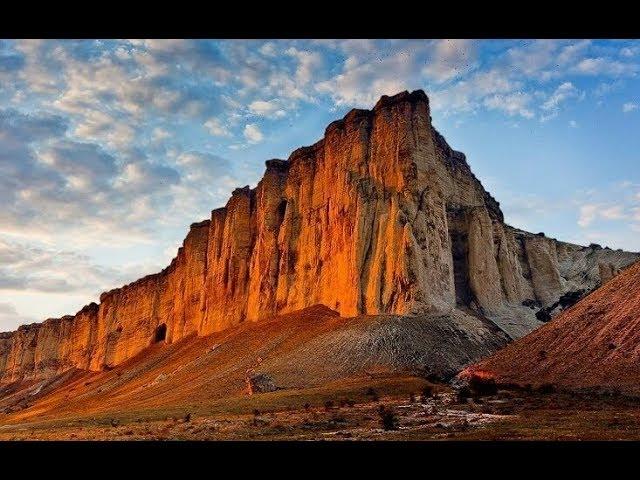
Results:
x,y
216,128
252,133
591,212
159,134
630,51
451,59
268,49
468,94
10,318
268,109
511,104
573,124
588,214
308,63
629,107
612,213
389,69
532,56
605,66
564,92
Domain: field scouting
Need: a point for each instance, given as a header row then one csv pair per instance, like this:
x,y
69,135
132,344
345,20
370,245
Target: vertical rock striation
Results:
x,y
381,216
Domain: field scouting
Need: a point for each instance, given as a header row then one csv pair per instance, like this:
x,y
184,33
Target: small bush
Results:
x,y
338,419
256,420
543,315
187,418
412,397
434,378
307,406
373,394
463,394
483,386
388,419
546,388
427,392
328,405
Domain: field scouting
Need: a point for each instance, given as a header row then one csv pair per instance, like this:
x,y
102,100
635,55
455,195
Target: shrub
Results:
x,y
256,414
388,419
546,388
307,406
463,394
373,394
483,386
427,392
435,378
328,405
336,418
571,298
543,315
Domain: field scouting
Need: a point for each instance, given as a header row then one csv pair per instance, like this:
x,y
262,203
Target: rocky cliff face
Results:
x,y
381,216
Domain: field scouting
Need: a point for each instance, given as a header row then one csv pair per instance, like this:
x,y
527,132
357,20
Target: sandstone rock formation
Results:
x,y
381,216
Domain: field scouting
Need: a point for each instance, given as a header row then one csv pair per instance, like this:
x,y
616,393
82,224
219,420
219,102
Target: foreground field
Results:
x,y
306,376
385,409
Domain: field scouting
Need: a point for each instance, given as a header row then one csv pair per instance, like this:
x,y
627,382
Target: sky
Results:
x,y
110,149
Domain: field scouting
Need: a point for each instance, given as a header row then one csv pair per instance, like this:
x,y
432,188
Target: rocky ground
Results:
x,y
391,409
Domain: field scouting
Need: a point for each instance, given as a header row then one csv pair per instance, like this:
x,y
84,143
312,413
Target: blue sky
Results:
x,y
109,149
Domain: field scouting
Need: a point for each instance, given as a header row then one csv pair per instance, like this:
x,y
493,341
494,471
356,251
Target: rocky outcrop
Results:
x,y
381,216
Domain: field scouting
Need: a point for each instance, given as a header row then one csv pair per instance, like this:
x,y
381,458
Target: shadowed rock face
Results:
x,y
381,216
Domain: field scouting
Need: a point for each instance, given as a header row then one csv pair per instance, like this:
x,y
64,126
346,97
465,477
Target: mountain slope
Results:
x,y
594,344
312,348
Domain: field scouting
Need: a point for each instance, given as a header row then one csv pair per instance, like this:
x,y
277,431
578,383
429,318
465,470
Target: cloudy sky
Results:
x,y
110,149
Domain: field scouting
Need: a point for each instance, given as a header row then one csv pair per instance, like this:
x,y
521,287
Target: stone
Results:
x,y
260,383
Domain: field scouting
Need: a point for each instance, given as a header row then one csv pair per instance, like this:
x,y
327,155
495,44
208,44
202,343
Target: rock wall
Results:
x,y
380,216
